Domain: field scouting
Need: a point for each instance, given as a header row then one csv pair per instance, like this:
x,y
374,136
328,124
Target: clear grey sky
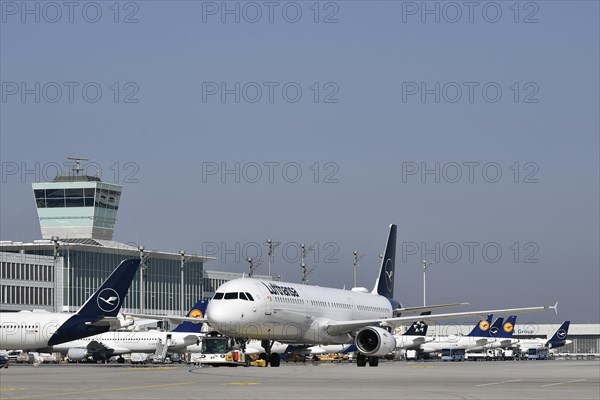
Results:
x,y
499,102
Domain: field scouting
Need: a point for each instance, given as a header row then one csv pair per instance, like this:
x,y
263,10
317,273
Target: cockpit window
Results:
x,y
218,296
243,296
249,296
231,296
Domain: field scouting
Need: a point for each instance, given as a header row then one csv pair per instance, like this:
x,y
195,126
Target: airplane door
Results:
x,y
268,300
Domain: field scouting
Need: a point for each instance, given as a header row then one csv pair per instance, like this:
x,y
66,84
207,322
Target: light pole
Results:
x,y
304,272
56,247
181,289
356,260
143,258
252,266
426,265
270,253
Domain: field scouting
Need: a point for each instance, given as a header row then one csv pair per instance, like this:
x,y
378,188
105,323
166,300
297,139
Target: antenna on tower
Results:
x,y
357,258
77,168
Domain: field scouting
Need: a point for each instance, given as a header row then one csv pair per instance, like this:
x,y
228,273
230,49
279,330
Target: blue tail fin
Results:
x,y
508,327
108,299
198,311
482,328
92,318
384,286
560,336
496,327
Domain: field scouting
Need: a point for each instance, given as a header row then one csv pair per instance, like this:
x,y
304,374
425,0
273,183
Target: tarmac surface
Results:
x,y
399,380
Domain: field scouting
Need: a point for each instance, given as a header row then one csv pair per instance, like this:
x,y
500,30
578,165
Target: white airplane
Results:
x,y
501,334
559,339
294,313
30,330
103,346
478,337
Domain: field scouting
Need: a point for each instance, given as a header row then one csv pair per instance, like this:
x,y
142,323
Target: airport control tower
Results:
x,y
77,206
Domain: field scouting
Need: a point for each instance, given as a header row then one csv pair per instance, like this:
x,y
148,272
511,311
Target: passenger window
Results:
x,y
231,296
218,296
249,296
243,296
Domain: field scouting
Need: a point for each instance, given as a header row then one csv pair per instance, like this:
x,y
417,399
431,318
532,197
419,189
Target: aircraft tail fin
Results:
x,y
496,327
108,299
418,328
504,330
482,328
198,311
560,336
384,285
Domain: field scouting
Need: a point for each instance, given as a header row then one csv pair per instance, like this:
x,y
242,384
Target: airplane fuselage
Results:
x,y
289,312
29,330
123,342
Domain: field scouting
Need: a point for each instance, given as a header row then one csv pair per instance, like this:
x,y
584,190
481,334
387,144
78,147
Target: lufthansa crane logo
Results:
x,y
508,327
561,334
389,274
195,313
108,300
494,331
484,325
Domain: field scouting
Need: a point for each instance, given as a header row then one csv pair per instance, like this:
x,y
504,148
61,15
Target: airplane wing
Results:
x,y
420,309
341,327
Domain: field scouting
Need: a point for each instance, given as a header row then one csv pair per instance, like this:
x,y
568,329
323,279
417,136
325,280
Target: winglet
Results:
x,y
555,307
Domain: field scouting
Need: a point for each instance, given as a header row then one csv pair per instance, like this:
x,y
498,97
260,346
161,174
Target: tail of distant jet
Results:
x,y
99,313
198,311
418,328
384,285
482,328
503,329
496,327
560,336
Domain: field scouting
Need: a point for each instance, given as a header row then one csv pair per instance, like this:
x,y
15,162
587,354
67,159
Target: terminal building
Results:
x,y
77,216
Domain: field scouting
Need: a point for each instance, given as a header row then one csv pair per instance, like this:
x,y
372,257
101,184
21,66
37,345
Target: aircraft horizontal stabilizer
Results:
x,y
176,319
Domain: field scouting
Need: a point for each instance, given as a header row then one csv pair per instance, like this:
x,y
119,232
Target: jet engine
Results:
x,y
77,354
375,341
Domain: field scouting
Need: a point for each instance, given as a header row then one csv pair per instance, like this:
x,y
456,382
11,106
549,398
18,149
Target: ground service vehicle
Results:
x,y
222,350
453,354
537,354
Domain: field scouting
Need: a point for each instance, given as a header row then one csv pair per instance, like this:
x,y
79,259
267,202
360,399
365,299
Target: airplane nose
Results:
x,y
221,312
224,314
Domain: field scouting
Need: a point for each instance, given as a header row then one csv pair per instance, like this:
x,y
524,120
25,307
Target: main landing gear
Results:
x,y
361,360
271,358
